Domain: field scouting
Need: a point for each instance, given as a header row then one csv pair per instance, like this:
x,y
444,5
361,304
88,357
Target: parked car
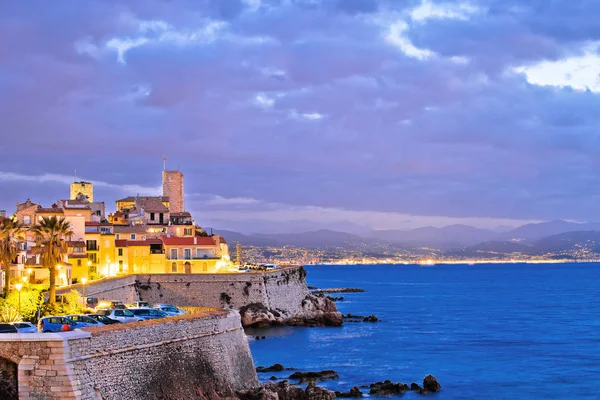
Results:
x,y
124,316
104,319
8,328
57,324
25,327
148,313
84,319
139,304
169,309
104,304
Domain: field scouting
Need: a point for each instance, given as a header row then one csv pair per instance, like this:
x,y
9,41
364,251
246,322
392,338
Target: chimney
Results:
x,y
195,240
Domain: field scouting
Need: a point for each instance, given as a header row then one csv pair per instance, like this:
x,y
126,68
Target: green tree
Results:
x,y
50,242
10,233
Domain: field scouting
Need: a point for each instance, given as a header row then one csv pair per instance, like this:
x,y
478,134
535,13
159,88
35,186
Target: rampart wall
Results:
x,y
282,289
168,358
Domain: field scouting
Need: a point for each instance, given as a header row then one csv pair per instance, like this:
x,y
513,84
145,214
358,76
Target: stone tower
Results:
x,y
172,184
82,188
238,253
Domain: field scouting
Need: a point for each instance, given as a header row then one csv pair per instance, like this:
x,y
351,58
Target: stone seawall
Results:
x,y
282,289
168,359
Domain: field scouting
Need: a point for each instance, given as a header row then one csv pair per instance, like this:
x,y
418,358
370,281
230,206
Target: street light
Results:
x,y
19,286
83,281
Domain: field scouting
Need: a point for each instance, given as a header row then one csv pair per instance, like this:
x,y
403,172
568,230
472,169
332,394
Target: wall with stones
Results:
x,y
282,289
168,359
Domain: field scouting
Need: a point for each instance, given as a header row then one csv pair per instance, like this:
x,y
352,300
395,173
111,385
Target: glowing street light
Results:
x,y
19,286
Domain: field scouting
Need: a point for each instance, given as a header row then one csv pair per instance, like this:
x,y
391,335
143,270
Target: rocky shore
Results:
x,y
316,310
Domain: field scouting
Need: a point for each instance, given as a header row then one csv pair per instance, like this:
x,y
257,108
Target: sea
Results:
x,y
485,331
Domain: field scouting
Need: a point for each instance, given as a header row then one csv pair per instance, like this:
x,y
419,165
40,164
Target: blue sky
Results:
x,y
336,113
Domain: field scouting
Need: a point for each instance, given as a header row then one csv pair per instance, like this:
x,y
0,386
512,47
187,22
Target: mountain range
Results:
x,y
527,239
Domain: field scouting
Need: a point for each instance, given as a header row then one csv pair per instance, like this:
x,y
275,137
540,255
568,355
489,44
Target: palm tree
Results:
x,y
50,241
10,232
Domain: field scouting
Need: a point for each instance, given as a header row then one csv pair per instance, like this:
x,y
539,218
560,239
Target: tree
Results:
x,y
10,233
50,242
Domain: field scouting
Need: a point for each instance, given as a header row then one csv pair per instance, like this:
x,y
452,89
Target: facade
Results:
x,y
146,234
172,186
82,189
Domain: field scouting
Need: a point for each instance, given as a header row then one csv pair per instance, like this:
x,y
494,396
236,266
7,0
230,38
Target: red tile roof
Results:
x,y
136,243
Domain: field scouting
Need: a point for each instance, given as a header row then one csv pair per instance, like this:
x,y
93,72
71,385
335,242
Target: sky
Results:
x,y
294,114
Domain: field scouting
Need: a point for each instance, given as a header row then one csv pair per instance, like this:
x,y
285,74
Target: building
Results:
x,y
172,186
82,189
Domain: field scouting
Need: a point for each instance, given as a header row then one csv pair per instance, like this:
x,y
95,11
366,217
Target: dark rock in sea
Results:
x,y
312,287
264,337
284,391
339,290
415,386
430,384
353,393
257,337
304,377
273,378
341,298
371,318
272,368
387,388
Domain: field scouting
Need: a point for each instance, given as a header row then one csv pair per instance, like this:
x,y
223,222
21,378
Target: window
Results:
x,y
120,265
187,254
187,231
174,267
173,254
79,263
27,219
151,216
120,252
118,236
132,236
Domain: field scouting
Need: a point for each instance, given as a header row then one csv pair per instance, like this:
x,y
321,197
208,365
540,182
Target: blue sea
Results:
x,y
515,331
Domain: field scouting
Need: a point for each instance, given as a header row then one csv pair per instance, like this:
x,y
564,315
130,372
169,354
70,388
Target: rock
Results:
x,y
273,378
272,368
284,391
431,384
257,315
387,388
339,290
370,318
304,377
414,386
314,392
315,311
353,393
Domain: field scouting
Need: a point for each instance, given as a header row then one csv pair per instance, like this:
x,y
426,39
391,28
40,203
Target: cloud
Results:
x,y
428,10
576,72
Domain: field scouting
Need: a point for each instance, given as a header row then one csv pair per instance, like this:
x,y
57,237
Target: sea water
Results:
x,y
514,331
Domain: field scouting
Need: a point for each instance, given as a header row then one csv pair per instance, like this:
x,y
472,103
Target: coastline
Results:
x,y
458,262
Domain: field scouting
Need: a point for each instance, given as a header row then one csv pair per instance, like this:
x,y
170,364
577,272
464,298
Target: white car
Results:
x,y
123,316
25,327
170,309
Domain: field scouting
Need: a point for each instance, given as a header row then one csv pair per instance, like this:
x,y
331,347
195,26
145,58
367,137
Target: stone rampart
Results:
x,y
282,289
169,359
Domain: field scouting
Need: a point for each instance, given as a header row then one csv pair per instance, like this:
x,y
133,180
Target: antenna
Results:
x,y
164,163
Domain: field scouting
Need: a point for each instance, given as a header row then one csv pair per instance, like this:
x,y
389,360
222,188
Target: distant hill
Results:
x,y
447,237
313,239
544,229
569,241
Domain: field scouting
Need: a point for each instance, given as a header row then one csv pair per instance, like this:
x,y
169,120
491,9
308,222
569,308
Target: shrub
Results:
x,y
9,314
